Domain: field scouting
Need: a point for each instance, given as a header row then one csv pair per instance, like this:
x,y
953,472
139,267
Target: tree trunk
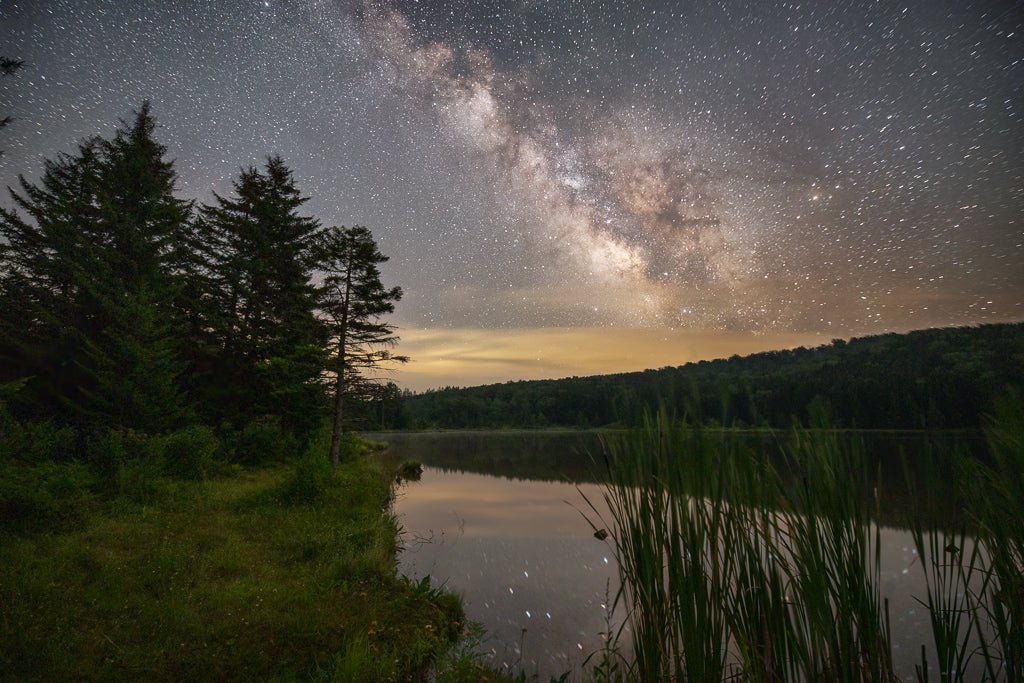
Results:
x,y
336,431
339,386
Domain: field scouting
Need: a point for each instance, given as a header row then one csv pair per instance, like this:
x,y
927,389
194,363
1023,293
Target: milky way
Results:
x,y
749,168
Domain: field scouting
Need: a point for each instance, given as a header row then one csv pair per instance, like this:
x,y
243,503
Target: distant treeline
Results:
x,y
939,378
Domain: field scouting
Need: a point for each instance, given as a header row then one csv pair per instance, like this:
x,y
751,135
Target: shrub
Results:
x,y
189,453
47,441
43,497
139,480
106,453
409,470
128,463
264,441
33,442
308,481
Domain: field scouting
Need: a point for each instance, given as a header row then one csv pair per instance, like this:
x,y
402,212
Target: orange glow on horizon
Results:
x,y
469,357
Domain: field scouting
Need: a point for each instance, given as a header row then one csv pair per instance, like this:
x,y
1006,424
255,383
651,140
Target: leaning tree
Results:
x,y
352,303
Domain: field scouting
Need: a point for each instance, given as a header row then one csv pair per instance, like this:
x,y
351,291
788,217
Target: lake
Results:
x,y
499,519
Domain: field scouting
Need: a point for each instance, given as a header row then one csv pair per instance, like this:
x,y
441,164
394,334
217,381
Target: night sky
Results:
x,y
585,186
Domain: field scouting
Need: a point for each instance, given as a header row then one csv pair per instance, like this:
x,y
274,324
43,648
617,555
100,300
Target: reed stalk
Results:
x,y
974,575
734,569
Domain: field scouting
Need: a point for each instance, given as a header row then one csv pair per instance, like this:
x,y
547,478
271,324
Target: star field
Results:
x,y
723,168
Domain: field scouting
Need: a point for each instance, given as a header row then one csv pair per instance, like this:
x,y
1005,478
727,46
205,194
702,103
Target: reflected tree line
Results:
x,y
914,470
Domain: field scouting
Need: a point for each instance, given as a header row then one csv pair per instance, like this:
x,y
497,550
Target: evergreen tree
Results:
x,y
89,282
8,67
352,301
261,301
135,358
44,263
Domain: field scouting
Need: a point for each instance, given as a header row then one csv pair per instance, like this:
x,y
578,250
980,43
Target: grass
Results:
x,y
974,573
731,571
275,573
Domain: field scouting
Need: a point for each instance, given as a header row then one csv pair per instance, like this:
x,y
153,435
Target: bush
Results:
x,y
308,481
140,480
33,442
44,496
128,463
409,470
354,446
189,453
263,441
106,453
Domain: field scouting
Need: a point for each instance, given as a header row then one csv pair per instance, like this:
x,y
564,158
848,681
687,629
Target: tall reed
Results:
x,y
669,553
974,573
734,569
833,554
732,572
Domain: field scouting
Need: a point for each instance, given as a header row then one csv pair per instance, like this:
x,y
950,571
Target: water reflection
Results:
x,y
497,519
522,556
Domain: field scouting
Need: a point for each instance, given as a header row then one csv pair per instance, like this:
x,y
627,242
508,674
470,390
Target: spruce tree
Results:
x,y
262,300
8,67
44,261
352,302
135,358
90,282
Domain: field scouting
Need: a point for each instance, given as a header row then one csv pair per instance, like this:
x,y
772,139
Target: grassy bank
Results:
x,y
271,573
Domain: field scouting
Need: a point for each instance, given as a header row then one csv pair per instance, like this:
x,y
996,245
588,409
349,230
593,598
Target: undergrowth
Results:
x,y
280,572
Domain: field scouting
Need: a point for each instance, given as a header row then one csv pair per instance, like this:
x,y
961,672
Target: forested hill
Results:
x,y
938,378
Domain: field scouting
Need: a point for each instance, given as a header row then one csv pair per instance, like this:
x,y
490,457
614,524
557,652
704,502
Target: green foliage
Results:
x,y
309,481
263,440
218,580
129,463
732,570
974,572
135,374
106,451
261,340
88,282
33,442
126,317
45,497
1000,491
409,470
189,452
710,561
939,379
352,301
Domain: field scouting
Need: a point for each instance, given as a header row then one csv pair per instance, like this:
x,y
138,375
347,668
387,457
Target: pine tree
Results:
x,y
44,260
90,274
135,357
352,301
261,321
8,67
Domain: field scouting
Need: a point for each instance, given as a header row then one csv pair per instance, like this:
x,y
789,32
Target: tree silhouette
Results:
x,y
261,301
8,67
352,301
87,283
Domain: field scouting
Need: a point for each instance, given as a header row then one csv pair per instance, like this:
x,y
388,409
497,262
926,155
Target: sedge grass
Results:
x,y
974,573
733,569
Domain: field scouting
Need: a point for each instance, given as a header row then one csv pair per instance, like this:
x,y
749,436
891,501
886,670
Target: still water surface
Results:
x,y
499,519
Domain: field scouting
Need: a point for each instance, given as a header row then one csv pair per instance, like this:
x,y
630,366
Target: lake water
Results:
x,y
499,519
